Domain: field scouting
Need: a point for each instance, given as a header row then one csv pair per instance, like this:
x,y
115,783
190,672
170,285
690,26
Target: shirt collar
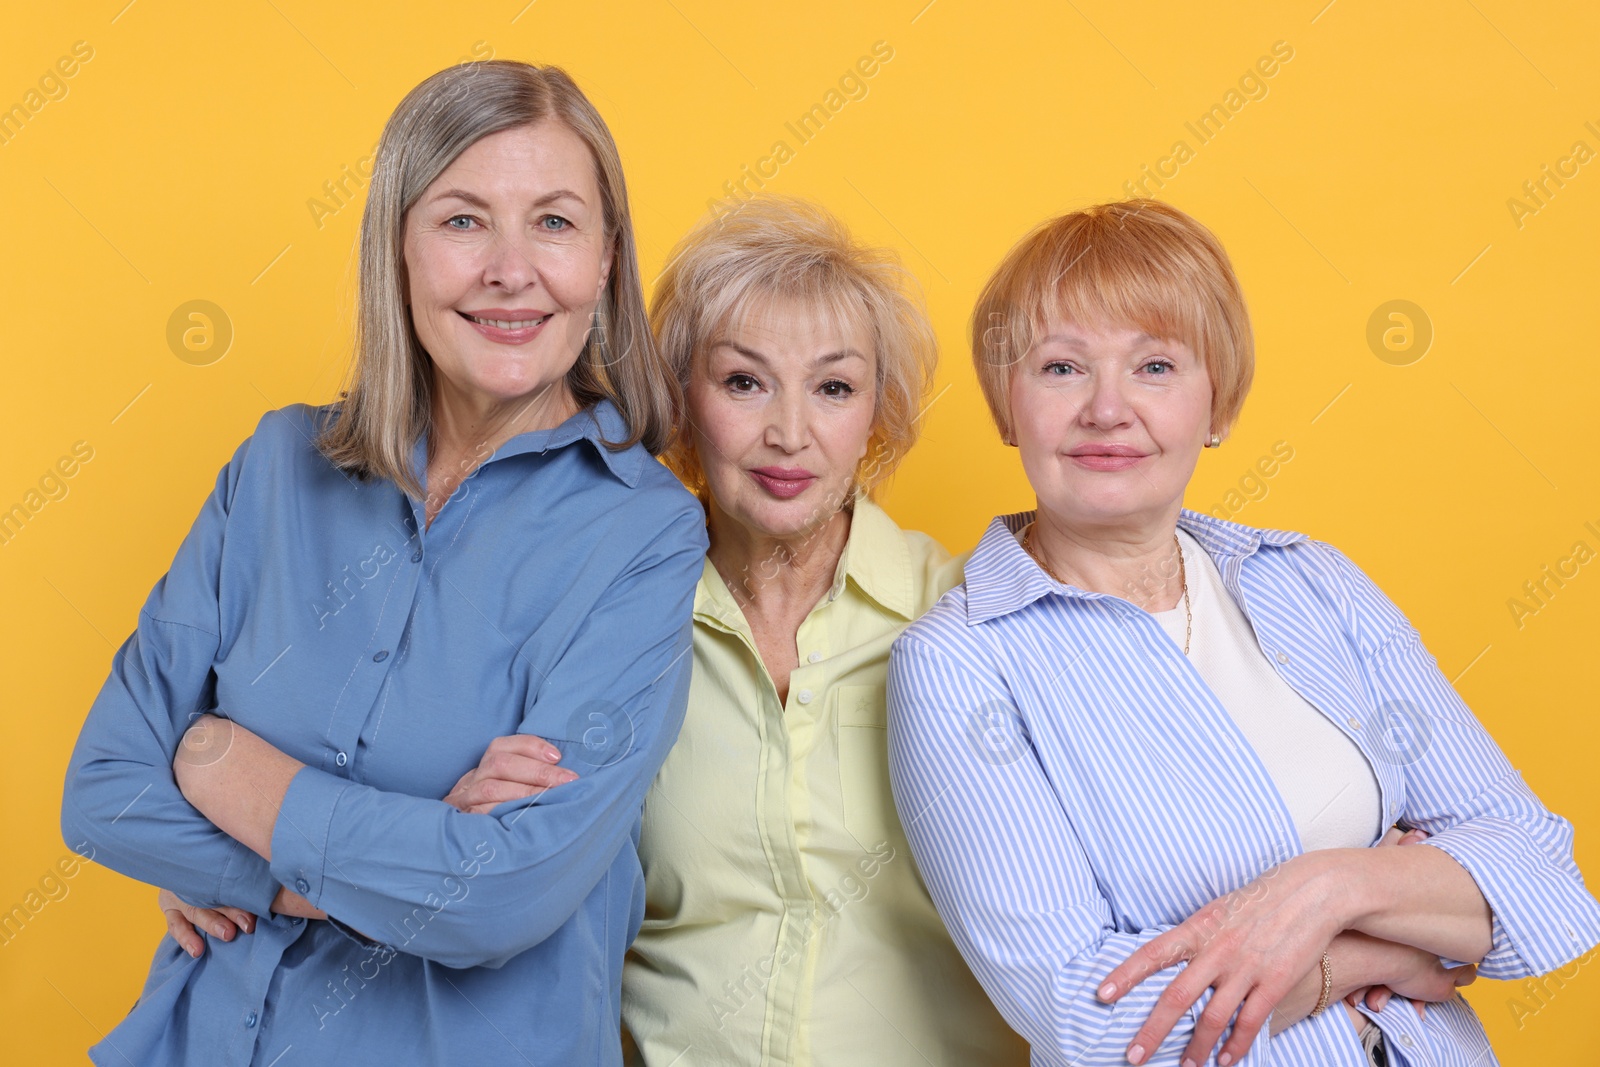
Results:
x,y
597,424
876,560
1001,577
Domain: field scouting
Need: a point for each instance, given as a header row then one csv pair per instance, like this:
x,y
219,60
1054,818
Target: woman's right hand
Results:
x,y
186,921
513,767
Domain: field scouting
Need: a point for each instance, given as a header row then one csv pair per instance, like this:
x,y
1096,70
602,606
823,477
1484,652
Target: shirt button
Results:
x,y
1354,724
249,1019
1283,657
296,920
302,886
381,656
805,696
814,657
416,557
340,760
1405,1039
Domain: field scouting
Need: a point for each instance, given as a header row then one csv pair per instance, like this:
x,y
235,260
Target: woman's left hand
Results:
x,y
1251,946
512,767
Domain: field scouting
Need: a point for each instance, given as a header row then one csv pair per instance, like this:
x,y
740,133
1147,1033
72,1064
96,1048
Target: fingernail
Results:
x,y
1225,1059
195,952
1136,1054
1106,991
553,755
222,931
1187,1062
569,776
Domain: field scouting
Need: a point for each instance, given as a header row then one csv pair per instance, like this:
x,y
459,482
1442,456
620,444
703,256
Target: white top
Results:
x,y
1327,784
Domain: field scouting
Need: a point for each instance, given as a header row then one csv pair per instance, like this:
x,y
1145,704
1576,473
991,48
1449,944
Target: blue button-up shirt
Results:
x,y
551,596
1071,789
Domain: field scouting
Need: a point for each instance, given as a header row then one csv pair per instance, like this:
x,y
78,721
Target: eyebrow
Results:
x,y
821,361
479,202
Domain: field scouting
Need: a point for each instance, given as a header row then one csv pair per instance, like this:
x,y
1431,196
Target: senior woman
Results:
x,y
1142,752
475,542
784,920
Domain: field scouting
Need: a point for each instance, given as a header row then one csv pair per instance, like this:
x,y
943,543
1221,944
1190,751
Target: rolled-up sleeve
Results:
x,y
1473,803
1006,870
475,890
121,806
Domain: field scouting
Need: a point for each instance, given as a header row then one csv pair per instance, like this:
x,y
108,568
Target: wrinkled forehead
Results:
x,y
821,314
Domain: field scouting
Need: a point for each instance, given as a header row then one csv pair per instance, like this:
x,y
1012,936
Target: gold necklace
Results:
x,y
1183,577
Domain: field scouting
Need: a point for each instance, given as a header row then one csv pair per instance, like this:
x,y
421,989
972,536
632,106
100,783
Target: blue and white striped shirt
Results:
x,y
1071,789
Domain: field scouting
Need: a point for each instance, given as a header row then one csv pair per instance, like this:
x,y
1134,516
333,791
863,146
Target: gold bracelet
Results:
x,y
1327,987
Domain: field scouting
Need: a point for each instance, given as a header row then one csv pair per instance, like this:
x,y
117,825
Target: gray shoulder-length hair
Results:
x,y
385,405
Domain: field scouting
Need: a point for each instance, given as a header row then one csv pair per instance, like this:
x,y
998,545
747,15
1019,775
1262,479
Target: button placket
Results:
x,y
354,711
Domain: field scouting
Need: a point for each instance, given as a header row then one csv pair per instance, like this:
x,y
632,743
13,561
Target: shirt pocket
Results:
x,y
869,814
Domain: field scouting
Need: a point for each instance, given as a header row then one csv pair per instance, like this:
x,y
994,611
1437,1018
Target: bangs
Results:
x,y
1099,286
1138,263
818,296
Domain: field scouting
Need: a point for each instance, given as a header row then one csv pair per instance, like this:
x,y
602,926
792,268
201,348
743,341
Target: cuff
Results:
x,y
1543,917
247,882
300,836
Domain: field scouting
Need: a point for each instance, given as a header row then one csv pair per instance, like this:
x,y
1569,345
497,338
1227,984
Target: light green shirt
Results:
x,y
785,921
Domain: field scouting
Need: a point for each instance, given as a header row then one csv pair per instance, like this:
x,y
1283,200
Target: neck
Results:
x,y
473,426
1138,563
768,574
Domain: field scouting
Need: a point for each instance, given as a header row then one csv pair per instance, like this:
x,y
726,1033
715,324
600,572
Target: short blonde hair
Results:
x,y
386,402
783,248
1139,263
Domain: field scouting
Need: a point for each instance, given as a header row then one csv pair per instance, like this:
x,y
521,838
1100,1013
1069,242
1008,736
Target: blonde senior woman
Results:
x,y
1144,754
475,541
785,922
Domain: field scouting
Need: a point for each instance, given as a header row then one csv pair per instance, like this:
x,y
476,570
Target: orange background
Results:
x,y
1379,162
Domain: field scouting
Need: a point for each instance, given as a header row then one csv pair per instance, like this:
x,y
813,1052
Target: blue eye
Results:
x,y
562,223
1059,369
1163,365
450,222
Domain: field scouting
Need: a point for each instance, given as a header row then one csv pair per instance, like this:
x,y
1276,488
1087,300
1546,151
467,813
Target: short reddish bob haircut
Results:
x,y
1134,263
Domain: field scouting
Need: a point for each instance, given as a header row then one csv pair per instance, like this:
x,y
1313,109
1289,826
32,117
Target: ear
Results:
x,y
606,259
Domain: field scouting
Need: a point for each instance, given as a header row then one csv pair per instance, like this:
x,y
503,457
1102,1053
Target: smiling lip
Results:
x,y
507,326
1106,457
783,482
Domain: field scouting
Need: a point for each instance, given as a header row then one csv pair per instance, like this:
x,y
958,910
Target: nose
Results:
x,y
1107,405
509,264
787,429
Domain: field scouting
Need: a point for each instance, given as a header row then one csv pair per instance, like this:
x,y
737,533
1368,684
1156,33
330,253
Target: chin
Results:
x,y
788,518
